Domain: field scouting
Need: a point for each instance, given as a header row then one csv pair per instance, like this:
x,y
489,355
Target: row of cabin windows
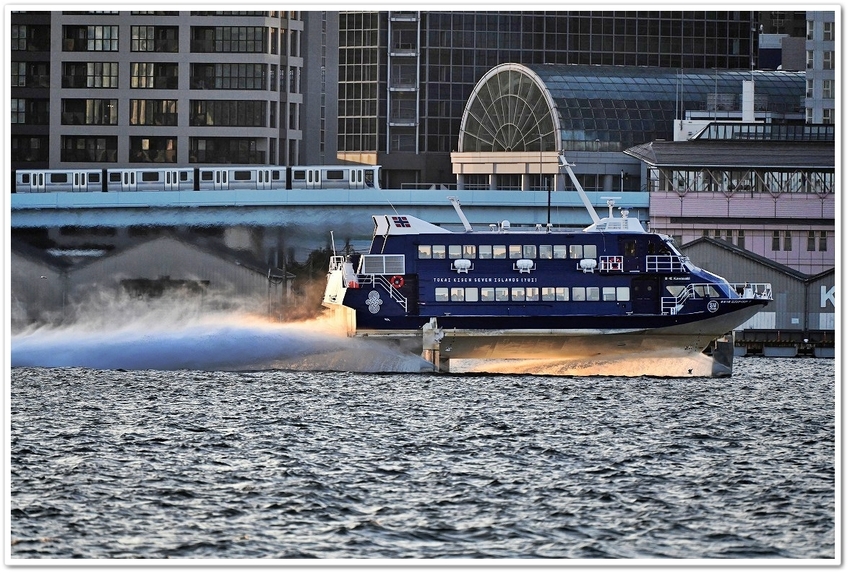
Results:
x,y
489,294
507,251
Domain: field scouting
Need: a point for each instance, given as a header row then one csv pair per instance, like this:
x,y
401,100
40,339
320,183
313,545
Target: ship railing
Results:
x,y
666,263
337,261
611,263
386,284
753,290
672,305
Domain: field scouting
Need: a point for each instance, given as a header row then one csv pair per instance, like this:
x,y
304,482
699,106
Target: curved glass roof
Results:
x,y
605,108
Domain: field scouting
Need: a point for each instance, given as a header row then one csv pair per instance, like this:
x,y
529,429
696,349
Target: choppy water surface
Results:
x,y
299,464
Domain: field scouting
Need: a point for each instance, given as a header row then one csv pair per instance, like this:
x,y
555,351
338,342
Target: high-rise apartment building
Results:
x,y
191,87
820,67
405,76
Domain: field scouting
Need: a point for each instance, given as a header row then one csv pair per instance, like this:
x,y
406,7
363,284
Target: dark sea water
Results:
x,y
281,464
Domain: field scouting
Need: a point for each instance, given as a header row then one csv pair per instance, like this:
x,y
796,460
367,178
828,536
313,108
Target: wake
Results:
x,y
229,342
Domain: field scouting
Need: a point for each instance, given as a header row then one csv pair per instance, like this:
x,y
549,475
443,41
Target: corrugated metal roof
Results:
x,y
750,154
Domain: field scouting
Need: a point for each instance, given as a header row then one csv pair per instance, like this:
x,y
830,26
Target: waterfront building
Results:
x,y
119,88
405,77
821,89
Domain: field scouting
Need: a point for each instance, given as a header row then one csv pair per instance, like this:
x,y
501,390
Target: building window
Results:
x,y
829,60
787,243
249,113
828,116
225,150
775,245
90,75
19,111
810,244
227,77
153,149
829,31
741,239
27,38
154,39
154,75
94,149
229,39
29,148
810,59
153,112
89,112
30,75
90,38
829,89
810,88
822,243
30,111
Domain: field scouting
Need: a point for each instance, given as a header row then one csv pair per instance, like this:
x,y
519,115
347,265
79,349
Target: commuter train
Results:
x,y
197,178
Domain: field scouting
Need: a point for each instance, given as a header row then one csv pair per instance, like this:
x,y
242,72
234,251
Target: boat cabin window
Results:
x,y
615,293
545,252
424,252
441,294
455,252
559,251
457,293
517,293
438,251
499,251
562,294
501,293
706,291
485,252
471,294
582,252
515,251
629,248
529,251
469,251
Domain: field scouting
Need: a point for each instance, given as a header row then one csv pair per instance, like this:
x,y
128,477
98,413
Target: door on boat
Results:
x,y
645,295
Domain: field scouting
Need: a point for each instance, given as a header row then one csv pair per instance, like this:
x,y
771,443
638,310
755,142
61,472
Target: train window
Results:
x,y
334,174
276,175
58,178
115,177
559,251
184,176
206,176
545,252
242,175
150,176
94,177
455,252
485,252
25,178
298,174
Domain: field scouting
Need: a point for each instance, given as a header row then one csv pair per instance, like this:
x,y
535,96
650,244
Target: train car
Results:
x,y
335,177
241,177
150,179
56,180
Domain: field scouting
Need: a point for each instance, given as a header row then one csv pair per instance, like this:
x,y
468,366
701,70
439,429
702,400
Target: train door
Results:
x,y
79,181
220,180
128,180
264,179
646,299
171,180
33,182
